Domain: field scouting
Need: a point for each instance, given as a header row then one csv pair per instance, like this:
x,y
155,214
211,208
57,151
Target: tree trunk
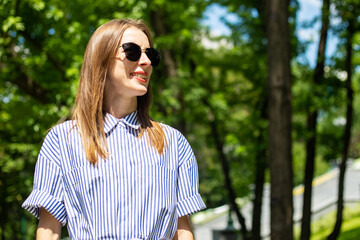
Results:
x,y
259,189
279,97
311,126
219,144
260,165
347,133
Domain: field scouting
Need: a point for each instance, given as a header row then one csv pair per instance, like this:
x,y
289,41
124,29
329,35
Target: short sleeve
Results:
x,y
48,185
189,199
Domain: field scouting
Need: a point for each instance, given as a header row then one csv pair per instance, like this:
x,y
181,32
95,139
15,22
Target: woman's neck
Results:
x,y
120,108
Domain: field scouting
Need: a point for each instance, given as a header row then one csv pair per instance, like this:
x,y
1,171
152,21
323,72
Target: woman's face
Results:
x,y
128,79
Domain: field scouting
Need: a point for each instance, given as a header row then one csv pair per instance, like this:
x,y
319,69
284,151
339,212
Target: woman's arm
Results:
x,y
49,228
184,231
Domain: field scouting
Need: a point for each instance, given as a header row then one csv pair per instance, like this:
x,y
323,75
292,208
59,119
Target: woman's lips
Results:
x,y
141,76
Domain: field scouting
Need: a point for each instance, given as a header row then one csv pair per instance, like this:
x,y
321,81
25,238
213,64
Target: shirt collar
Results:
x,y
130,120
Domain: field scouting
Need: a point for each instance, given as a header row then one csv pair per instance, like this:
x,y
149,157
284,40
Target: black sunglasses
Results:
x,y
133,53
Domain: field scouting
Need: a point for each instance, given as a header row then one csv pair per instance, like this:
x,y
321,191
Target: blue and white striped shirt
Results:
x,y
134,194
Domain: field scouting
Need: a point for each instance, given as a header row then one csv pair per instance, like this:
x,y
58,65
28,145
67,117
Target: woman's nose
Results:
x,y
144,59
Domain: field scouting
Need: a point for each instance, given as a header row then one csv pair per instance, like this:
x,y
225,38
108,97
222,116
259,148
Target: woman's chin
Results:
x,y
142,92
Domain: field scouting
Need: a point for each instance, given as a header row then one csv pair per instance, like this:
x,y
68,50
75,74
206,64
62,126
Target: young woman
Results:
x,y
112,172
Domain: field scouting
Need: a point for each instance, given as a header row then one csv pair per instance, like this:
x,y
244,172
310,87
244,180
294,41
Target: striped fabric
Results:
x,y
134,194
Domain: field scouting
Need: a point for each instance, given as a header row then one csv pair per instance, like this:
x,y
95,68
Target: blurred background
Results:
x,y
212,85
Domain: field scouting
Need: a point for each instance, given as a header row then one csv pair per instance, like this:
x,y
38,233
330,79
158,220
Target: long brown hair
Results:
x,y
88,110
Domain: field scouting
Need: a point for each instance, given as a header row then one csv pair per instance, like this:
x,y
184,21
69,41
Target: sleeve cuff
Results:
x,y
40,199
190,205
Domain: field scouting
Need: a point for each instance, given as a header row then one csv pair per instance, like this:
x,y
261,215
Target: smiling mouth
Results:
x,y
140,76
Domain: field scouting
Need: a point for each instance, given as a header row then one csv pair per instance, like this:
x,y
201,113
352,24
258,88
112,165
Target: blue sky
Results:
x,y
308,10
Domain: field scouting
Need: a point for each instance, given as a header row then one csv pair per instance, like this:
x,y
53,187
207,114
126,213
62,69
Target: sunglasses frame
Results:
x,y
133,53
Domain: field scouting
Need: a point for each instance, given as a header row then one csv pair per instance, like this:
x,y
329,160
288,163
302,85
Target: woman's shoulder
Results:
x,y
172,133
68,124
54,141
176,139
169,129
63,128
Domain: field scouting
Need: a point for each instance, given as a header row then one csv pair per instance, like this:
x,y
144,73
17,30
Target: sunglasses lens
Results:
x,y
132,51
153,55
